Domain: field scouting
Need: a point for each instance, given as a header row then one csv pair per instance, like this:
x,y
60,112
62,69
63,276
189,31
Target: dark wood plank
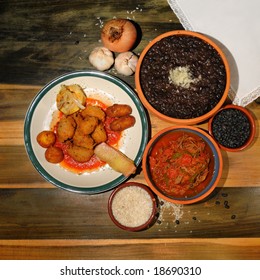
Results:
x,y
40,42
57,214
133,249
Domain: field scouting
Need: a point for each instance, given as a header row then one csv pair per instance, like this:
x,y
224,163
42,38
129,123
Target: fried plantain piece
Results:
x,y
80,154
77,117
99,135
122,123
83,140
94,111
118,110
66,128
87,125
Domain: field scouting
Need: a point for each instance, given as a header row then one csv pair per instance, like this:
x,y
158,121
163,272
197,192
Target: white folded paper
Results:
x,y
235,26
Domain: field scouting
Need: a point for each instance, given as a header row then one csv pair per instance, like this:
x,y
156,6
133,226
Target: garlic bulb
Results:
x,y
125,63
101,58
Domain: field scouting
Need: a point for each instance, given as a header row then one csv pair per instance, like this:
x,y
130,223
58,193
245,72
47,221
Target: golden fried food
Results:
x,y
80,154
66,128
77,117
87,125
70,99
94,111
115,159
99,135
46,138
54,154
122,123
83,140
118,110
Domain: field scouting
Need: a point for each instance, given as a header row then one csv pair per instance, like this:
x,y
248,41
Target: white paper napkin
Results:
x,y
235,26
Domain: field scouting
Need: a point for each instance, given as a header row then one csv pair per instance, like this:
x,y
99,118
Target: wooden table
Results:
x,y
39,221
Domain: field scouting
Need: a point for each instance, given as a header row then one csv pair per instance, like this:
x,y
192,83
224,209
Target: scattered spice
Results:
x,y
175,210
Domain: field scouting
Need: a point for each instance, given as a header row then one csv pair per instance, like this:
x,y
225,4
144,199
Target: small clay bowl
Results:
x,y
132,206
233,128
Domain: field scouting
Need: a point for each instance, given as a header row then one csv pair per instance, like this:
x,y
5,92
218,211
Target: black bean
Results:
x,y
177,222
233,217
231,128
204,64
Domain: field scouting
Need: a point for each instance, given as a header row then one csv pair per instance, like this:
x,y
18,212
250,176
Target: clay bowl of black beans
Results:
x,y
233,128
182,77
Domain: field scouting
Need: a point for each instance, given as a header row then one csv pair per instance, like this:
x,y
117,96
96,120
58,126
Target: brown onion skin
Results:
x,y
119,35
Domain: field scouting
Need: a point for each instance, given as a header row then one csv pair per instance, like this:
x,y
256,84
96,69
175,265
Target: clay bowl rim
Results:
x,y
251,122
216,155
154,202
146,103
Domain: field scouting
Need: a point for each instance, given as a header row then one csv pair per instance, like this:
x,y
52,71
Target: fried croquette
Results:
x,y
94,111
54,154
99,135
122,123
66,129
118,110
80,154
83,140
46,138
87,125
77,117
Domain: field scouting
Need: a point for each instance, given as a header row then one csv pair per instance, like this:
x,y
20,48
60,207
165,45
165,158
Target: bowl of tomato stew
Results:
x,y
182,164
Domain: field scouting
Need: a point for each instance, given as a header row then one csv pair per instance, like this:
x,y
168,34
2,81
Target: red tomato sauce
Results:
x,y
179,163
94,163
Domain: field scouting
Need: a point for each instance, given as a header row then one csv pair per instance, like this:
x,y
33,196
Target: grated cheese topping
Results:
x,y
132,206
181,76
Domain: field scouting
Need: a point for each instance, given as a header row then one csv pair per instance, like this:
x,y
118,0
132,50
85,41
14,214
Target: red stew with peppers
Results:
x,y
179,162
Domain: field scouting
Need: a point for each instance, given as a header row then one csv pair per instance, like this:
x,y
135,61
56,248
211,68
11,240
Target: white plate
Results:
x,y
107,89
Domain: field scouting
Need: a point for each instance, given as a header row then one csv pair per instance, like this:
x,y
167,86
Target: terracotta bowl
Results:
x,y
132,206
233,128
172,184
143,87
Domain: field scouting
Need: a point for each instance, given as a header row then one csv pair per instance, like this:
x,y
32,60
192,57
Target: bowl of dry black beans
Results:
x,y
182,77
233,128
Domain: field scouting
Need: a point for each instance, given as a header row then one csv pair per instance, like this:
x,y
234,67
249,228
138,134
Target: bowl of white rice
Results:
x,y
132,206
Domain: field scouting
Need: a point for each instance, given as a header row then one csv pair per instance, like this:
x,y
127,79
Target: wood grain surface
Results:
x,y
39,221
